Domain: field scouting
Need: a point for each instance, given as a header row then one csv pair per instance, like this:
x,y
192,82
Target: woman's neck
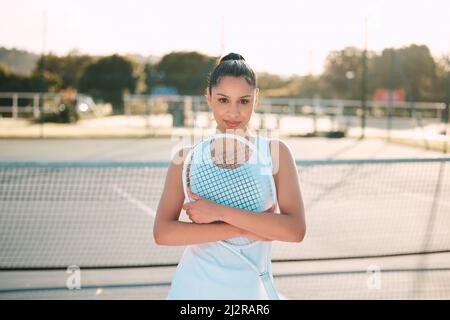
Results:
x,y
245,133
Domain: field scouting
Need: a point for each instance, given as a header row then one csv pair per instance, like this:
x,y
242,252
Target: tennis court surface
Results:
x,y
378,217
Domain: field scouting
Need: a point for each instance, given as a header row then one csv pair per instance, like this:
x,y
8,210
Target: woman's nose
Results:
x,y
233,111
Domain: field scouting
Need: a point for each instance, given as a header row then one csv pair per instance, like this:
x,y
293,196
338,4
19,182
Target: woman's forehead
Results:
x,y
233,87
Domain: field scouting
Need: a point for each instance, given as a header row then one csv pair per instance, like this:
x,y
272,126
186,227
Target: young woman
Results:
x,y
206,269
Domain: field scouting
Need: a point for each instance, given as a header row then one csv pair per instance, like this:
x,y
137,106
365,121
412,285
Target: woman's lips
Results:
x,y
232,124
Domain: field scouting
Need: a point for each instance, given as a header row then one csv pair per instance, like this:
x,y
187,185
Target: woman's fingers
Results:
x,y
193,195
188,213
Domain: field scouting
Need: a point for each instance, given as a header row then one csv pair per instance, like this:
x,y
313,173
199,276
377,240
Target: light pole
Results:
x,y
447,105
364,82
42,73
222,36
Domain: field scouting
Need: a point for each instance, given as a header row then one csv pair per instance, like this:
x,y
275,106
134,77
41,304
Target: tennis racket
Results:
x,y
230,170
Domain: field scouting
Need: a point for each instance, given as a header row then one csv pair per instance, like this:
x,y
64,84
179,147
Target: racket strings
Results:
x,y
231,188
223,178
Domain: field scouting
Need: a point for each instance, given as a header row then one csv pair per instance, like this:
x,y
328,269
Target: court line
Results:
x,y
87,287
334,273
149,211
276,276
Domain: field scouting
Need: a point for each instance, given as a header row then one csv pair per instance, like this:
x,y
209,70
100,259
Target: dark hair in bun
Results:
x,y
233,64
232,56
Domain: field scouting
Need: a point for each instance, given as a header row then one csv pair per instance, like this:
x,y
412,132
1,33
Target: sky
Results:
x,y
284,37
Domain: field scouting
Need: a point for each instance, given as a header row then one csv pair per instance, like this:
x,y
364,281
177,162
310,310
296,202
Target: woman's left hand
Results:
x,y
201,210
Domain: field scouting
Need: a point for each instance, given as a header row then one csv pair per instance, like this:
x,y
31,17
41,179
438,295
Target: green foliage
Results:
x,y
46,82
186,71
298,86
266,81
69,68
10,81
338,65
413,68
150,77
442,89
108,79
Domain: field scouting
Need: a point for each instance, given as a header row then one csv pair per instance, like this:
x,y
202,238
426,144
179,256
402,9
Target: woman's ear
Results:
x,y
208,97
256,96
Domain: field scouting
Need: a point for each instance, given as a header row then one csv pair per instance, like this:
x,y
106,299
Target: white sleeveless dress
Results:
x,y
211,271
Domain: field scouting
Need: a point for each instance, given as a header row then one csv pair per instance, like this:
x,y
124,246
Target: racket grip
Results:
x,y
268,285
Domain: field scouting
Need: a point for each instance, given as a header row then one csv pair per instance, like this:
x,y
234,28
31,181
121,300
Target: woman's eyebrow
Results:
x,y
224,95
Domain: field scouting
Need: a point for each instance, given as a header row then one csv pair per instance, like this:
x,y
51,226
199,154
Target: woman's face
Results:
x,y
232,102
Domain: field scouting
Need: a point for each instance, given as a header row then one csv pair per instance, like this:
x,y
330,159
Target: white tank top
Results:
x,y
211,271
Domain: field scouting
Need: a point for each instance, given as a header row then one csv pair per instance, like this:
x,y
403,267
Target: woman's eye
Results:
x,y
222,100
244,101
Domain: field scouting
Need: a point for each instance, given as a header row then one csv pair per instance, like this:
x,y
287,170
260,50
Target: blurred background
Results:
x,y
95,97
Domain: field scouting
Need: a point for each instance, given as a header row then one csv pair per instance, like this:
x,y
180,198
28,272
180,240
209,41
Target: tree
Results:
x,y
442,75
411,68
13,82
298,86
46,82
108,79
337,67
186,71
151,77
69,68
419,70
266,81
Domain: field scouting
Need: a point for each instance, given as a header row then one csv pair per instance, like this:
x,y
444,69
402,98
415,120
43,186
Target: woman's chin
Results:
x,y
233,129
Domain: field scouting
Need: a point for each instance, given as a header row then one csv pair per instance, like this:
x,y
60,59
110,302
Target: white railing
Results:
x,y
37,102
33,106
267,105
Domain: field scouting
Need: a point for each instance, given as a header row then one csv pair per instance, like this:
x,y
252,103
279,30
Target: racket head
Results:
x,y
228,169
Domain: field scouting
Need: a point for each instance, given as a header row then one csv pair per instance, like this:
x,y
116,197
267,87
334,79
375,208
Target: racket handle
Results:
x,y
268,285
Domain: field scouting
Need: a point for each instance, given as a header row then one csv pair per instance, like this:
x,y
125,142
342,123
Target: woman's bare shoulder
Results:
x,y
281,154
279,144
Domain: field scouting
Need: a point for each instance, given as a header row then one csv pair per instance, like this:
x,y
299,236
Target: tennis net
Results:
x,y
101,214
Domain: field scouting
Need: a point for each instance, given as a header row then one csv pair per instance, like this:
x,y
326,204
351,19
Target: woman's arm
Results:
x,y
168,230
288,226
